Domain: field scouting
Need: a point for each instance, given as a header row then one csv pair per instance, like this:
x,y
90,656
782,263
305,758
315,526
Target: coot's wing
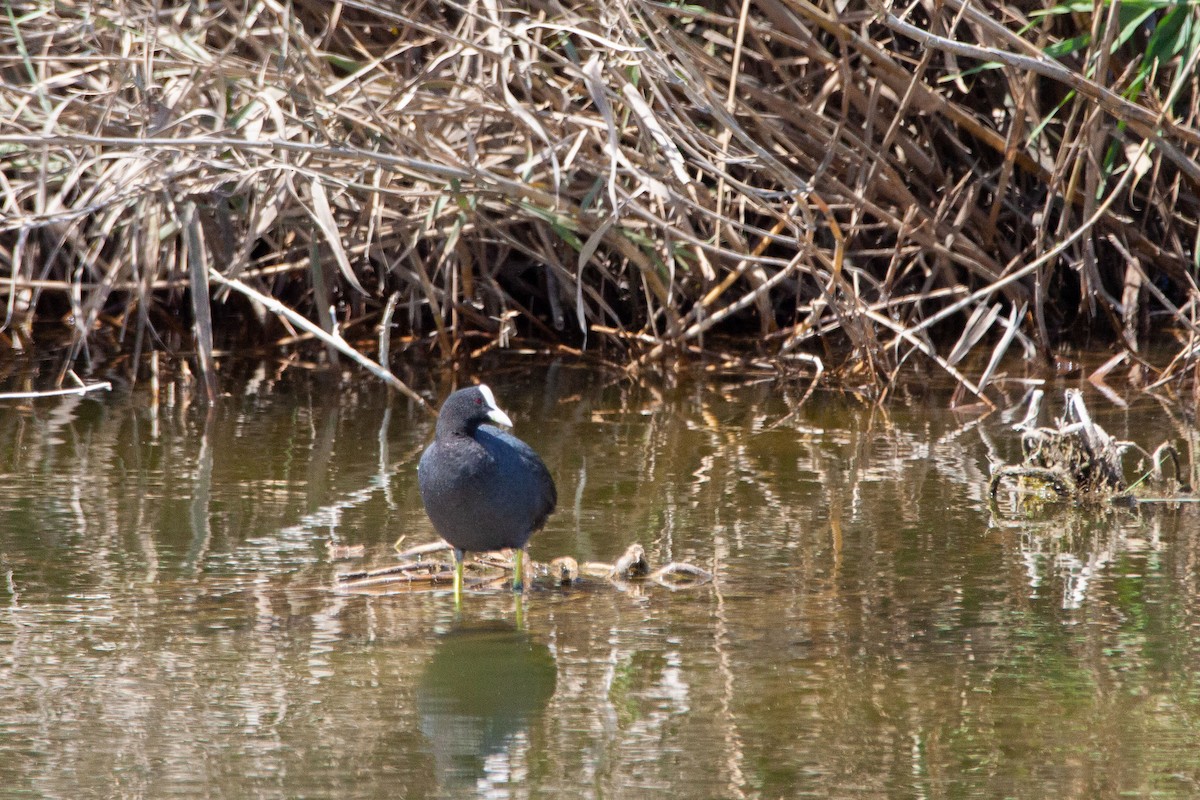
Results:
x,y
529,463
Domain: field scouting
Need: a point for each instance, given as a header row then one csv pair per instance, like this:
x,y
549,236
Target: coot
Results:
x,y
483,489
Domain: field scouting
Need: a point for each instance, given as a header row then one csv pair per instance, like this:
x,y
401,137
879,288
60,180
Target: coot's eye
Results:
x,y
478,401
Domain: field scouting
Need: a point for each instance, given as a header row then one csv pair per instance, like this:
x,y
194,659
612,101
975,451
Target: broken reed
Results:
x,y
863,186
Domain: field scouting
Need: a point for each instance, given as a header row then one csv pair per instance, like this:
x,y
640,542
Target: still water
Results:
x,y
169,625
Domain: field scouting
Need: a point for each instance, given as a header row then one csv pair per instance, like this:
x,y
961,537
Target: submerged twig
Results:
x,y
679,575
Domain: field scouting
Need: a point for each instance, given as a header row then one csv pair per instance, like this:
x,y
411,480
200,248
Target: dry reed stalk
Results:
x,y
630,176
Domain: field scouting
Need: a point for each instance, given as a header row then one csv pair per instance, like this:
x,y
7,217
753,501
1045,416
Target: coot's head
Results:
x,y
467,409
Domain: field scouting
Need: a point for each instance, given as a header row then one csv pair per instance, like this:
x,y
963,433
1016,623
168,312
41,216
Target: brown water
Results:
x,y
168,625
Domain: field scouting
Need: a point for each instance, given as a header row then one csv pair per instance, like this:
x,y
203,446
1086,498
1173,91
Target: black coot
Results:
x,y
483,489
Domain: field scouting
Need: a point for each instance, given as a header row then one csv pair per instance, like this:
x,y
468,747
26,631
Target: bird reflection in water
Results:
x,y
483,687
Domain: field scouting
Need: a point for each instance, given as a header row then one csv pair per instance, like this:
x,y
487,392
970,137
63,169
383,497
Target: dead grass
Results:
x,y
828,188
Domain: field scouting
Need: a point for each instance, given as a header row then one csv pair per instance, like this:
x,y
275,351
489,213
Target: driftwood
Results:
x,y
488,568
1078,459
1058,479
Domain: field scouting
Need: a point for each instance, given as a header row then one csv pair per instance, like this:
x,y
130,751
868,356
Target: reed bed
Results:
x,y
823,188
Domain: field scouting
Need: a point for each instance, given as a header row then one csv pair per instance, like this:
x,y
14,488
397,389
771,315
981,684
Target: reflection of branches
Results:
x,y
329,515
1058,550
734,757
82,388
199,510
1077,575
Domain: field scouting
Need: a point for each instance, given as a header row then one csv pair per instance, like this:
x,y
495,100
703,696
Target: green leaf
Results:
x,y
1066,8
966,73
1037,131
1167,40
1068,46
564,226
1130,25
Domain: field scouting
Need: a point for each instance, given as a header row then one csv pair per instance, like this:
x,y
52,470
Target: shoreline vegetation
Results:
x,y
828,190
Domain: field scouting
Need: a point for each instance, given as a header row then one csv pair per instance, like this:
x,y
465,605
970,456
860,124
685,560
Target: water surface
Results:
x,y
169,625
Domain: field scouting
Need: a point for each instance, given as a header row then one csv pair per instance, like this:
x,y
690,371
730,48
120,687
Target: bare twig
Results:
x,y
332,339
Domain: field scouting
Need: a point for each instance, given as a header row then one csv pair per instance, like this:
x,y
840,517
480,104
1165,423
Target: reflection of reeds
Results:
x,y
648,176
868,629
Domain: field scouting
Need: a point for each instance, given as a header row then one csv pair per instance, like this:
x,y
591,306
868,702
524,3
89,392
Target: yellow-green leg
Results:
x,y
519,569
458,576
